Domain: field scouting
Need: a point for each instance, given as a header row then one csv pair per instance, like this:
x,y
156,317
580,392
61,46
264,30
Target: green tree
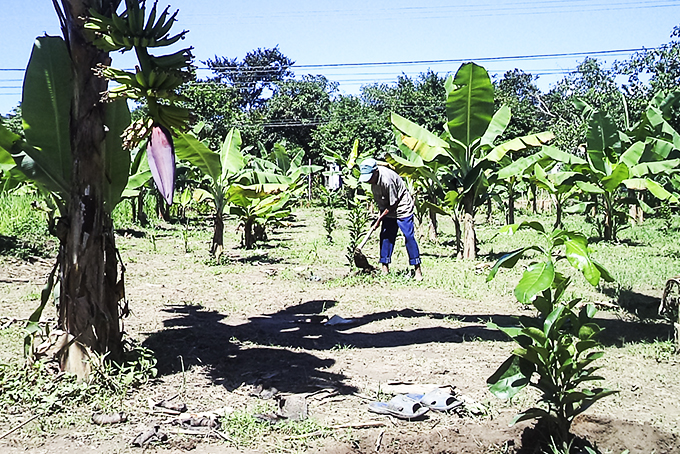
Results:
x,y
418,99
517,90
295,110
350,119
662,68
252,76
592,84
215,104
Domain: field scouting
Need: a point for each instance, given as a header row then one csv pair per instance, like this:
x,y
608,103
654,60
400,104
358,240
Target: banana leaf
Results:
x,y
426,144
46,109
520,143
31,162
519,166
6,161
189,148
602,136
619,173
633,154
654,167
498,125
561,156
469,104
117,160
655,188
231,157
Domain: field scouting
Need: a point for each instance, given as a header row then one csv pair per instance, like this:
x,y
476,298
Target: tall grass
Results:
x,y
24,227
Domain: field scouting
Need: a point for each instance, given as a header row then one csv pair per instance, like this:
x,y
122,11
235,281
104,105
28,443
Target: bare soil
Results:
x,y
226,335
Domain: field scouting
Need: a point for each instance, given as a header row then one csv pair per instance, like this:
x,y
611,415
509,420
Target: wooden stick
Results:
x,y
19,426
358,425
378,442
224,437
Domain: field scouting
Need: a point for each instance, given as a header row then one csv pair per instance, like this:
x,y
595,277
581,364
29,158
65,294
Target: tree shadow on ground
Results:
x,y
128,232
278,349
259,259
617,332
644,307
24,248
198,337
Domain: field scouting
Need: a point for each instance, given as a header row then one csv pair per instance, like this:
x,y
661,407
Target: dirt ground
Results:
x,y
231,335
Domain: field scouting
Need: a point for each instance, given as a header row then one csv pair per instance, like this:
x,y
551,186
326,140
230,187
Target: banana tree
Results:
x,y
68,155
229,167
73,150
542,169
561,185
617,159
467,142
512,173
255,207
221,170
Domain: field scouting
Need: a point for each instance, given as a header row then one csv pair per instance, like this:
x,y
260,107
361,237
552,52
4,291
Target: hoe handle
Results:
x,y
373,227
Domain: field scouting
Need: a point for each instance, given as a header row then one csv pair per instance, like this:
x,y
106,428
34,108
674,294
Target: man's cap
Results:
x,y
367,167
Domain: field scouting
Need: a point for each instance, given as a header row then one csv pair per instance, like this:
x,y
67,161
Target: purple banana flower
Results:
x,y
160,151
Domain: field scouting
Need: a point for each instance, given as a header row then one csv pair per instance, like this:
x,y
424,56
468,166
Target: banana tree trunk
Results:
x,y
609,228
459,235
433,226
217,245
635,211
139,215
558,213
511,205
469,235
489,210
248,237
89,294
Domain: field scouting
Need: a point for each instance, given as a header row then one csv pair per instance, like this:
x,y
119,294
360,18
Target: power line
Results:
x,y
416,62
429,62
438,12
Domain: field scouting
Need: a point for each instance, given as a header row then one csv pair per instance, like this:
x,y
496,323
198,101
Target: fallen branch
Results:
x,y
224,437
19,426
359,425
378,442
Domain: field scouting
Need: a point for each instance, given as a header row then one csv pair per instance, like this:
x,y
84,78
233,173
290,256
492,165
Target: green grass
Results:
x,y
246,429
24,227
641,262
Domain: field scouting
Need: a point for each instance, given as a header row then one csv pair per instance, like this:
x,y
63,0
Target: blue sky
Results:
x,y
374,33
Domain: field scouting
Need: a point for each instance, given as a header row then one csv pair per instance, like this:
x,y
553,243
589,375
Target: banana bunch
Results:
x,y
135,133
131,28
179,60
159,76
169,115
